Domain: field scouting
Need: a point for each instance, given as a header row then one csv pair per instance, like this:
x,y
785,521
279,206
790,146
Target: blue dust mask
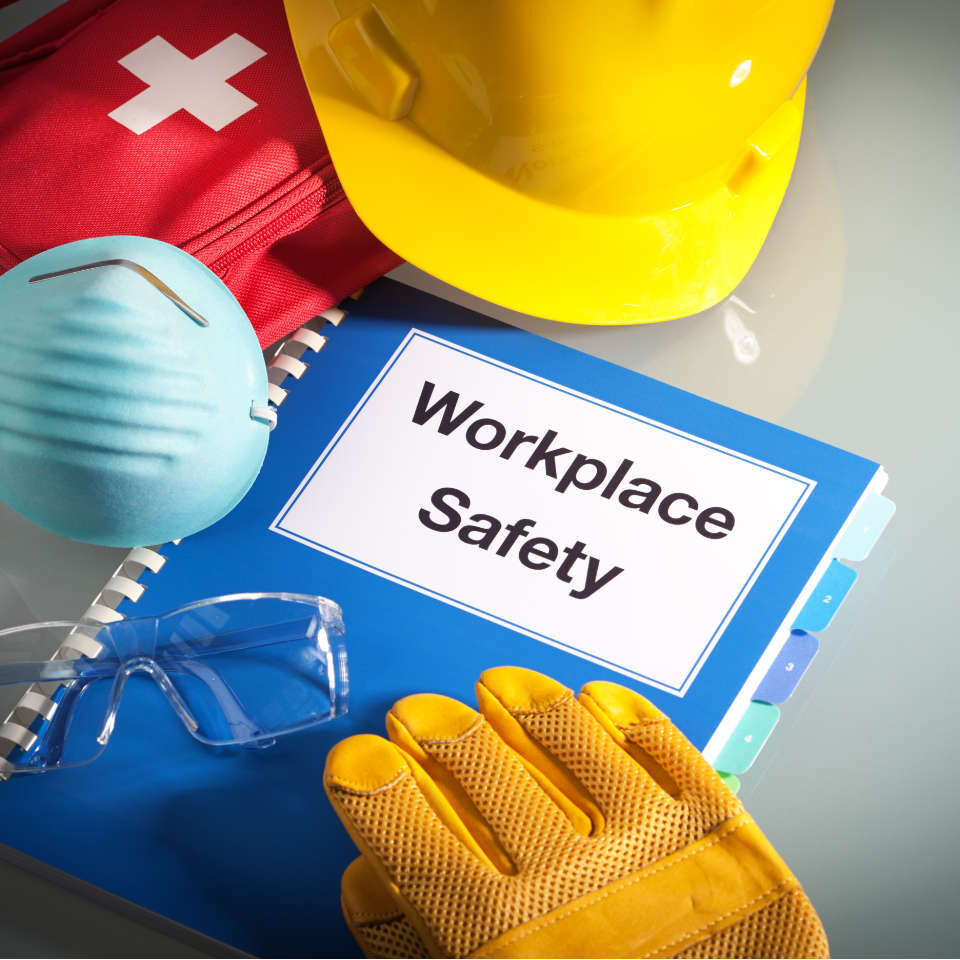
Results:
x,y
133,392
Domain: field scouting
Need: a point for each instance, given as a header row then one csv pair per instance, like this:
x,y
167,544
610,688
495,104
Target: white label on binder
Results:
x,y
559,515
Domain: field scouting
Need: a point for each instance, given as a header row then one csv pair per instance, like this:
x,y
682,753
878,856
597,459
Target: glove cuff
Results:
x,y
667,907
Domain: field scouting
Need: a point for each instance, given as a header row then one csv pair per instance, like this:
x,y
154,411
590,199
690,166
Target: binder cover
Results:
x,y
471,495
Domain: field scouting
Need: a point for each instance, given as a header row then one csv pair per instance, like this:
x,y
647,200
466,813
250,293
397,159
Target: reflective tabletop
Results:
x,y
843,330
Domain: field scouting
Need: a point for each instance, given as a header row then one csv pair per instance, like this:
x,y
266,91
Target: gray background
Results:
x,y
854,340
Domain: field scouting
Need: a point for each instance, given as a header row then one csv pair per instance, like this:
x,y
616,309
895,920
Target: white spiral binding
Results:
x,y
36,700
276,395
309,338
17,734
124,584
287,360
39,704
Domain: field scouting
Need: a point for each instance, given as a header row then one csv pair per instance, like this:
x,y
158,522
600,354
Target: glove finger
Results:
x,y
542,720
374,915
415,844
502,805
654,742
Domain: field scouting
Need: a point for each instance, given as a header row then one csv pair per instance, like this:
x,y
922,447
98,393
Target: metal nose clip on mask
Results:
x,y
237,670
128,371
151,278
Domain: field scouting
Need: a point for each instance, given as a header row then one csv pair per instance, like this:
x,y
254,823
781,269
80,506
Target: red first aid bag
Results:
x,y
188,122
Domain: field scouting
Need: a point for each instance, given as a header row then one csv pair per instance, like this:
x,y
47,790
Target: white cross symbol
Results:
x,y
176,82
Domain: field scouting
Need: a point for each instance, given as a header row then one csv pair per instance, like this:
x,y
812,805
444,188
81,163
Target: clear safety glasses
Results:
x,y
239,669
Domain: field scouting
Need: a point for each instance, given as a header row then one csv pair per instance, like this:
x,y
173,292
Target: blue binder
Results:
x,y
243,847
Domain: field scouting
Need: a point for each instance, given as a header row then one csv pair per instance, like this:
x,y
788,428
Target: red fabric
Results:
x,y
257,201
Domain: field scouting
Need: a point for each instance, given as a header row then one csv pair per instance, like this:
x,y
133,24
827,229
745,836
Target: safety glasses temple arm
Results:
x,y
36,671
214,644
40,671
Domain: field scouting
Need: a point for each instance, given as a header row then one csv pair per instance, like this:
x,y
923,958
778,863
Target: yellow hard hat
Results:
x,y
595,162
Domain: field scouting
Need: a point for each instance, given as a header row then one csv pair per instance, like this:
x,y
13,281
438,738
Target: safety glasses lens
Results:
x,y
251,669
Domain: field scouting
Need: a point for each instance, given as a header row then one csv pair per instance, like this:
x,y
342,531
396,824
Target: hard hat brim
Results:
x,y
540,258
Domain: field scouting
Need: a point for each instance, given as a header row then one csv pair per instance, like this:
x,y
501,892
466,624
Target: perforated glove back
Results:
x,y
549,825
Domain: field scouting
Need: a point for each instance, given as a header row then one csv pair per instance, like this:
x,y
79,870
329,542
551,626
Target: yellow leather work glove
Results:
x,y
549,825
